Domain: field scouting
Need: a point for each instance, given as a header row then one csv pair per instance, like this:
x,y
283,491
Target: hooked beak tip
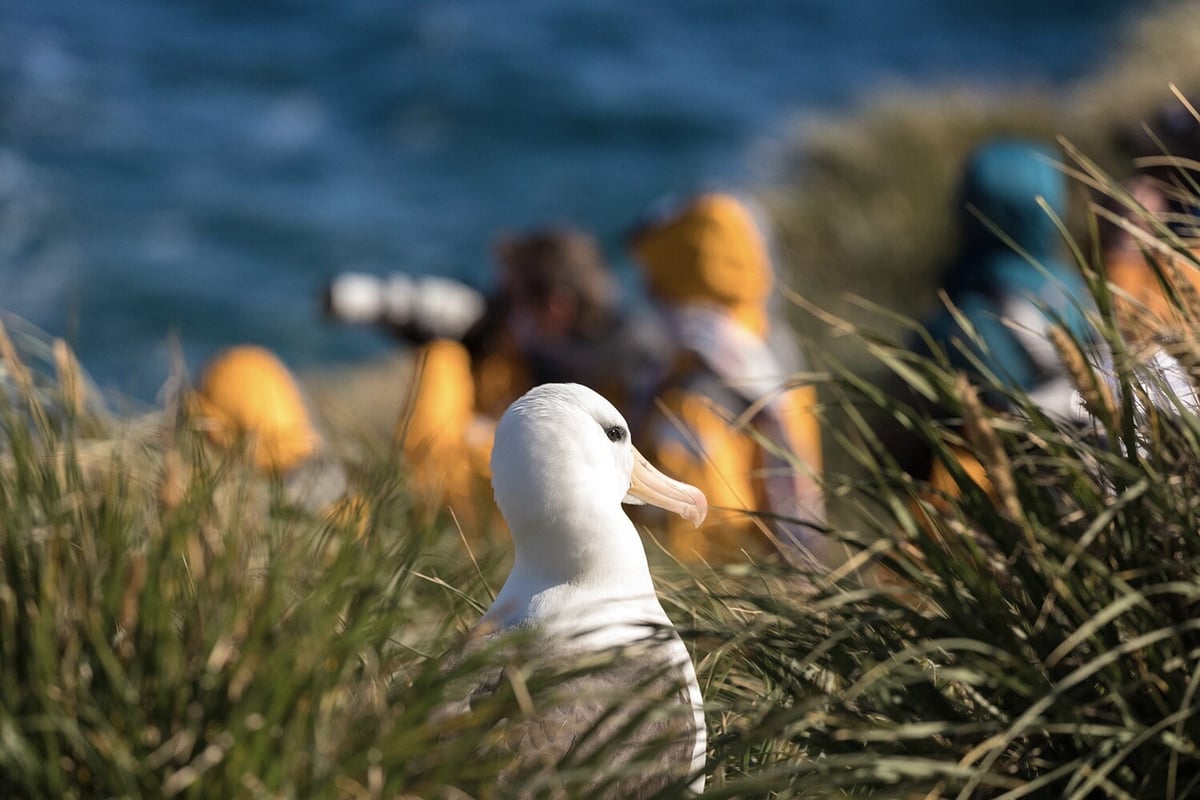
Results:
x,y
697,510
648,485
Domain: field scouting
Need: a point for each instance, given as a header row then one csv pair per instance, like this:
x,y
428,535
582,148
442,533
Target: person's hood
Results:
x,y
246,391
999,199
711,251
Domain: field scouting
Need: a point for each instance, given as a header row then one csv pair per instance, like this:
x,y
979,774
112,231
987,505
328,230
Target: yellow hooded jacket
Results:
x,y
247,392
246,395
713,255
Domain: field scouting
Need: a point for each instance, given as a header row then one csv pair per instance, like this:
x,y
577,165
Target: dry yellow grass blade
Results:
x,y
1097,396
70,383
986,442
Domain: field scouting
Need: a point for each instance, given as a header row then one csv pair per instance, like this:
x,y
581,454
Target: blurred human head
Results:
x,y
1165,147
245,391
1002,185
711,251
1147,200
556,282
1168,132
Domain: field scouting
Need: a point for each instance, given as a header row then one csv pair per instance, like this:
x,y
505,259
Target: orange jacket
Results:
x,y
1143,307
445,432
696,439
709,267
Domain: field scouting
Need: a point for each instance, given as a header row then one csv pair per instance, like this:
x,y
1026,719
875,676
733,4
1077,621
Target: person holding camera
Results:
x,y
555,317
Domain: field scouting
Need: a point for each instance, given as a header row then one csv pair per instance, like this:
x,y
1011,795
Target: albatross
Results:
x,y
580,586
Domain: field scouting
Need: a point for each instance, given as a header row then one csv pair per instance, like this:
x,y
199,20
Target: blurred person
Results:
x,y
1155,281
1006,287
247,397
1143,260
1166,148
707,267
555,318
1007,281
1149,244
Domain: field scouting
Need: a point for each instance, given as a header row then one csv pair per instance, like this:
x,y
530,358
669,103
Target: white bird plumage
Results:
x,y
562,465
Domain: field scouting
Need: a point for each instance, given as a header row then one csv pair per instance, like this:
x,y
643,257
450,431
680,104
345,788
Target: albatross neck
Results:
x,y
592,571
591,551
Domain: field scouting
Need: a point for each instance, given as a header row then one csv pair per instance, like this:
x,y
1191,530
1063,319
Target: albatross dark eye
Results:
x,y
615,433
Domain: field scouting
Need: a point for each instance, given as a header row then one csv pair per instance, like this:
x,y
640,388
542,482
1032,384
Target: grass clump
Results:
x,y
1037,644
172,626
202,639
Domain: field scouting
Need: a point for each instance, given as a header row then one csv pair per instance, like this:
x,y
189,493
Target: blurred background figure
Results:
x,y
1148,243
1165,149
1008,281
1139,263
1147,224
707,266
246,397
554,317
1007,285
566,319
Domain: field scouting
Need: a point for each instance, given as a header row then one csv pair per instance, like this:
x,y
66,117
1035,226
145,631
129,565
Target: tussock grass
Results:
x,y
1040,641
196,637
170,626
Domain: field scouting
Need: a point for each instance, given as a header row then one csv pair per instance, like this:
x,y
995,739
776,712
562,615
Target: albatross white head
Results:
x,y
562,465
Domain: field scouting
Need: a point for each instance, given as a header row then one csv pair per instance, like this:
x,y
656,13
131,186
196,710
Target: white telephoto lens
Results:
x,y
356,298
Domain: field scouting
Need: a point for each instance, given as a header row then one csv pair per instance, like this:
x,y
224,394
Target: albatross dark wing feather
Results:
x,y
617,723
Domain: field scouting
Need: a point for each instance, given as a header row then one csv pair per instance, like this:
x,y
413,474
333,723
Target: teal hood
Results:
x,y
1000,192
998,199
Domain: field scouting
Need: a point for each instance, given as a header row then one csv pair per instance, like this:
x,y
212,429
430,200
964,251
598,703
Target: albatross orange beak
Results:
x,y
650,486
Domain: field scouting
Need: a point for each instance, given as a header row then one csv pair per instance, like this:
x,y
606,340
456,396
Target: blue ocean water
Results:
x,y
200,167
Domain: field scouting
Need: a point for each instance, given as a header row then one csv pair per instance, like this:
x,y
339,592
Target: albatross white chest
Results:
x,y
562,465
